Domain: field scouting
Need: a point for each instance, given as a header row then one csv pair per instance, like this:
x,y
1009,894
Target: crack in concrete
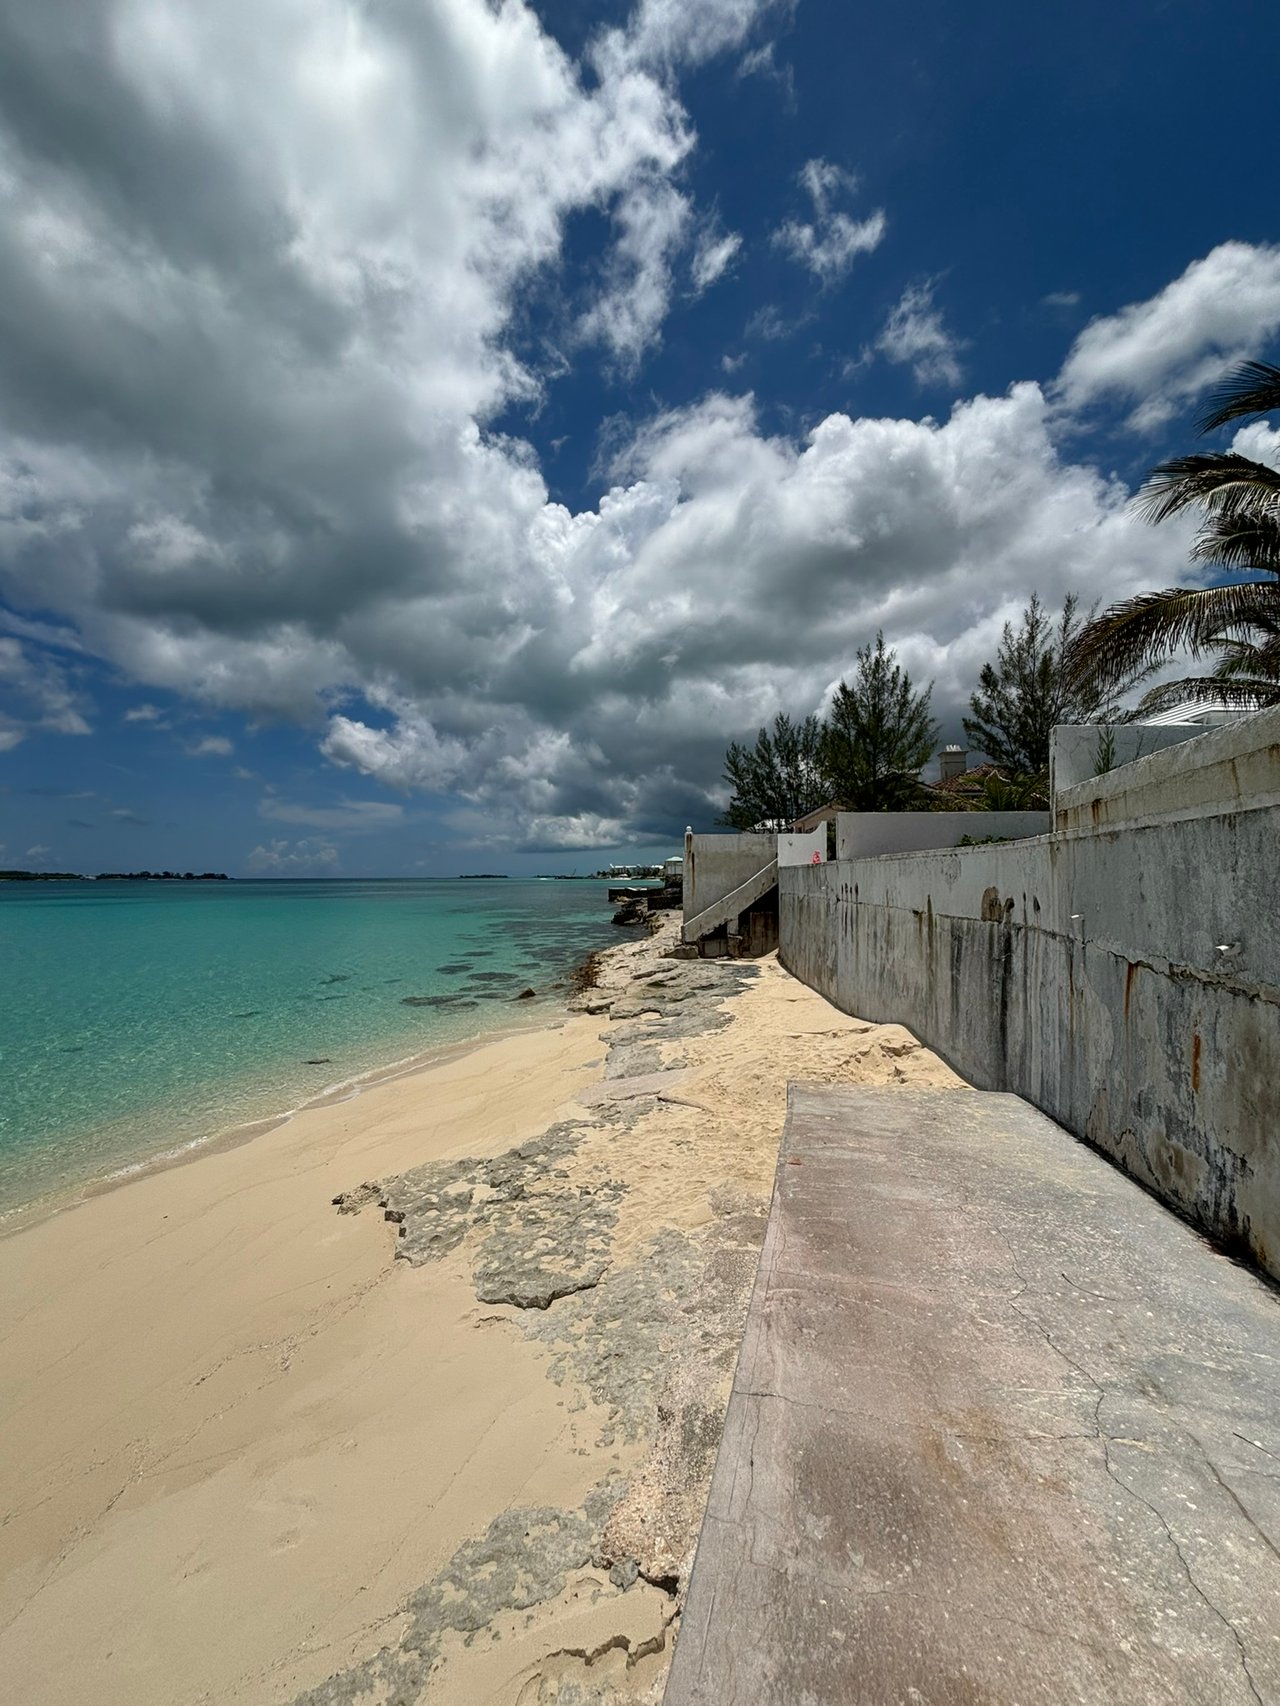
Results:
x,y
1107,1441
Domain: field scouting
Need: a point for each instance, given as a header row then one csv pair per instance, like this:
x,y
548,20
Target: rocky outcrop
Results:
x,y
652,1339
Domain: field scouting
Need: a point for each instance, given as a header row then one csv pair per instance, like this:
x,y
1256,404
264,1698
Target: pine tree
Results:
x,y
879,735
777,780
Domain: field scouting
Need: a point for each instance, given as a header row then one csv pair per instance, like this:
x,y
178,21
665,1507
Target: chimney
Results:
x,y
953,762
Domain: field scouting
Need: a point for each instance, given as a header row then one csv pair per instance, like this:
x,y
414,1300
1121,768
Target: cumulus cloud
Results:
x,y
1160,354
259,313
312,856
409,754
914,334
211,746
829,242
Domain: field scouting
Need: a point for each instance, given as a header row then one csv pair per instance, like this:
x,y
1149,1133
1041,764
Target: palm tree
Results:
x,y
1237,625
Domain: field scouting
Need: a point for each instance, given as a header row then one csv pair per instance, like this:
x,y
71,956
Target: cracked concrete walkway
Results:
x,y
1003,1430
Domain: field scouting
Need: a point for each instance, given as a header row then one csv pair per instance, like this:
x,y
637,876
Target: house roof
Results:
x,y
968,781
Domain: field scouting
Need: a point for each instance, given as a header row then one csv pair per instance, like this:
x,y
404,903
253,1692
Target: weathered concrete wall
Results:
x,y
715,865
1074,752
1124,978
1233,768
868,835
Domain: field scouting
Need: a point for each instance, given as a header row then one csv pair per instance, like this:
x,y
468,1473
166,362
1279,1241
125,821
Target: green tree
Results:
x,y
1026,691
1236,625
778,779
878,736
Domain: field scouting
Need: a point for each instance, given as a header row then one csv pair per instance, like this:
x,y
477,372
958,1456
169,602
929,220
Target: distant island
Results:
x,y
114,877
162,877
482,876
40,877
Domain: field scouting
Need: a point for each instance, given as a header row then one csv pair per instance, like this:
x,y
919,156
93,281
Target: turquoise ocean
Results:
x,y
137,1019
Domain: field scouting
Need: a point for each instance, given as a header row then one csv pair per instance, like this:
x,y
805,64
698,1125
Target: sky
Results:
x,y
431,430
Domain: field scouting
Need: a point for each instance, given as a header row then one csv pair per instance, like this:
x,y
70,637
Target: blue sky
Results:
x,y
430,432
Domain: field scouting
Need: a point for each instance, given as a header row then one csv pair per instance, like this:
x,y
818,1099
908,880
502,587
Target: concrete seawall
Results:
x,y
1124,978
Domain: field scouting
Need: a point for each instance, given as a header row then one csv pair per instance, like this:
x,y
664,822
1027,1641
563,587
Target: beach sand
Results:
x,y
251,1456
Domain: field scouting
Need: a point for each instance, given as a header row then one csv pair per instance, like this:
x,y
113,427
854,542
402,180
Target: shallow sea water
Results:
x,y
139,1018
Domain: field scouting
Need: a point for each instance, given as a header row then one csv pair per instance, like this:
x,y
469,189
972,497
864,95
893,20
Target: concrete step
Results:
x,y
1003,1430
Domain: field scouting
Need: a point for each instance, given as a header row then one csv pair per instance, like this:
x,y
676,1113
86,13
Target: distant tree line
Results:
x,y
114,877
867,754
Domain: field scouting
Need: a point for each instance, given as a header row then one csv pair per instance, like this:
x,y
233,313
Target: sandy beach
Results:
x,y
414,1397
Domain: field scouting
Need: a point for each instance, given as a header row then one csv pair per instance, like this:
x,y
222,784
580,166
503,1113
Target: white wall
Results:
x,y
715,865
869,835
800,849
1074,750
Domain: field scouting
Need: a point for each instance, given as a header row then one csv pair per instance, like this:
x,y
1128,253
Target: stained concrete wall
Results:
x,y
1122,974
715,865
868,835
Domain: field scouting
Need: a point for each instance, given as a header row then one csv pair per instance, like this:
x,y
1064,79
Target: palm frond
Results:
x,y
1243,695
1240,541
1238,658
1213,481
1154,626
1246,394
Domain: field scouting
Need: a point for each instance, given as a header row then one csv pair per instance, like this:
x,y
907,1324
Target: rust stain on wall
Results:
x,y
1195,1060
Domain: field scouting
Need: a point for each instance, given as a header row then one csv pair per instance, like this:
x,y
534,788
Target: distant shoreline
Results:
x,y
115,877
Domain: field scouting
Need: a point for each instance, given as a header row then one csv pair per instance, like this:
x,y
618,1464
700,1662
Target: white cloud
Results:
x,y
667,32
143,714
830,242
1162,353
40,692
581,832
301,327
409,755
1061,299
211,746
713,257
652,221
11,737
355,815
1260,441
914,334
311,856
763,62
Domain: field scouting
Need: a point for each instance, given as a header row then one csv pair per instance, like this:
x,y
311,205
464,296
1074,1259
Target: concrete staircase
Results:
x,y
730,906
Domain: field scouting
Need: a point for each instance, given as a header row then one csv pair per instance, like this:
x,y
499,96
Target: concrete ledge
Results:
x,y
1235,768
1003,1430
